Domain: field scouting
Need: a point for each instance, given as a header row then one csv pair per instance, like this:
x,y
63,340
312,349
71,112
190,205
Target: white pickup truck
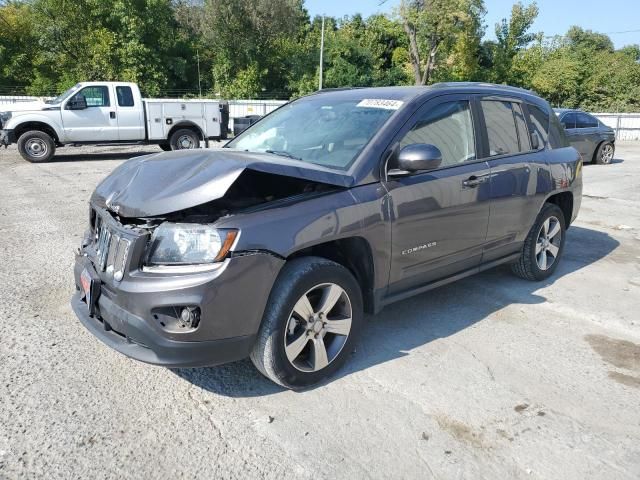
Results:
x,y
110,113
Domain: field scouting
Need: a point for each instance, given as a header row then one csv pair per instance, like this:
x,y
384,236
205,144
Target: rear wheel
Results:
x,y
604,153
36,146
310,324
543,246
184,139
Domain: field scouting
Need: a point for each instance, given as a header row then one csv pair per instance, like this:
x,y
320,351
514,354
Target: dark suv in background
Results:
x,y
336,203
593,139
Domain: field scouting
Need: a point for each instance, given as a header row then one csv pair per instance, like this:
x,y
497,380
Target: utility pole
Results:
x,y
321,53
199,85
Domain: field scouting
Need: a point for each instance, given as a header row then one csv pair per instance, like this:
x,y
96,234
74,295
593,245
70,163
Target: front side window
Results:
x,y
449,127
501,127
97,96
585,121
569,120
125,96
326,129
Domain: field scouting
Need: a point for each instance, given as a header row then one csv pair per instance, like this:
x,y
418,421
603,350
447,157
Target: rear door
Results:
x,y
97,122
439,217
589,131
574,135
515,166
129,114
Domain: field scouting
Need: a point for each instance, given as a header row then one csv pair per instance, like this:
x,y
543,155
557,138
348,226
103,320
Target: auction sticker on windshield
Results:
x,y
380,103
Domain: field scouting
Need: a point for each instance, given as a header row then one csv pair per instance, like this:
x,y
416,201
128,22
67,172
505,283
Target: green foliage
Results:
x,y
251,48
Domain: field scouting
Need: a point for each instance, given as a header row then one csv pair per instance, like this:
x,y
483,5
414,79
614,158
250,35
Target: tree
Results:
x,y
512,36
433,27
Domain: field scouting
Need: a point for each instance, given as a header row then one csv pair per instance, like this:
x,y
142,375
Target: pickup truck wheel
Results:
x,y
604,153
184,139
543,246
310,324
36,146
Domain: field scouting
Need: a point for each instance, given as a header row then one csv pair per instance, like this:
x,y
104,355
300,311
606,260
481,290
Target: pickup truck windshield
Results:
x,y
318,129
63,96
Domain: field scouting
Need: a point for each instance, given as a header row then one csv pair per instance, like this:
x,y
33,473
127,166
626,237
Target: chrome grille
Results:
x,y
111,249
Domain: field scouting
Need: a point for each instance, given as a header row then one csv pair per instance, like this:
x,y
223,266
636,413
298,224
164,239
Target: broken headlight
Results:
x,y
189,244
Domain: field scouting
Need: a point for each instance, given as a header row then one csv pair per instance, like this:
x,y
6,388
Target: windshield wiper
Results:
x,y
283,153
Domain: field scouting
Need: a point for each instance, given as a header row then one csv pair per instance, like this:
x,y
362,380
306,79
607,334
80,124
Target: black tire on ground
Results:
x,y
165,146
542,251
184,139
36,146
604,153
304,277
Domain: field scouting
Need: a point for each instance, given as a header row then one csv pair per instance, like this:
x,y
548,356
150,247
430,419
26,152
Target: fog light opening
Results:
x,y
189,317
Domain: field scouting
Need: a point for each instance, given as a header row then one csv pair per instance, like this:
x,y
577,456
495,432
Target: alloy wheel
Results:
x,y
548,243
607,154
318,327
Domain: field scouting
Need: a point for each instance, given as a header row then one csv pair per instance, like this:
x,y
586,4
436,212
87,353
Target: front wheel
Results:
x,y
311,322
36,146
184,139
604,153
543,246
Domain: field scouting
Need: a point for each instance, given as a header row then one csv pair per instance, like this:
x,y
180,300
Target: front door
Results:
x,y
97,122
439,217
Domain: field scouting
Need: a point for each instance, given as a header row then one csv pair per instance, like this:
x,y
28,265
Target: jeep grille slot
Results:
x,y
111,249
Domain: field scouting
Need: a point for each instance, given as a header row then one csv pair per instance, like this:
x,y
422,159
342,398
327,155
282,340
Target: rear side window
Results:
x,y
539,121
125,96
585,121
501,127
449,127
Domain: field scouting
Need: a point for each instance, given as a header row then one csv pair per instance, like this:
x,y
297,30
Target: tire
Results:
x,y
537,253
184,139
313,278
604,153
165,146
36,146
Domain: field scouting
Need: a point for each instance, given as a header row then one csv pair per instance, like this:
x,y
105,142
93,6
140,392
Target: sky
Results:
x,y
555,17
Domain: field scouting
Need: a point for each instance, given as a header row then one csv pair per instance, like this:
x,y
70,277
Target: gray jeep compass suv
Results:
x,y
335,204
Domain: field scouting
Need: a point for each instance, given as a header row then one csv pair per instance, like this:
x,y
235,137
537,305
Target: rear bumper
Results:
x,y
149,347
7,137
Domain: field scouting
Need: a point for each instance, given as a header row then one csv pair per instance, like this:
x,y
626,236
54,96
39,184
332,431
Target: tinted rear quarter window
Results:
x,y
501,127
125,96
539,121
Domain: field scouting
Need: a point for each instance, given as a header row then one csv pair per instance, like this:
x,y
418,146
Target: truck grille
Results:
x,y
111,249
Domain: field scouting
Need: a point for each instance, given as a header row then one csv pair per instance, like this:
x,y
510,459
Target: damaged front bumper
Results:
x,y
139,315
7,137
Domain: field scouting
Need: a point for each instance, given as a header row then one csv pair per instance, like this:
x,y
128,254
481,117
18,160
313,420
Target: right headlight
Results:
x,y
179,244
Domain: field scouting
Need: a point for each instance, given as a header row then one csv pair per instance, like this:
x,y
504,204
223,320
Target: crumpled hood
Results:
x,y
35,106
168,182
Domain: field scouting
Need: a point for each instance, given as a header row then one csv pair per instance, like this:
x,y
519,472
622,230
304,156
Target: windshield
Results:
x,y
319,129
63,96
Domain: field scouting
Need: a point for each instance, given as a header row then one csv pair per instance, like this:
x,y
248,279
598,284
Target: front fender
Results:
x,y
19,119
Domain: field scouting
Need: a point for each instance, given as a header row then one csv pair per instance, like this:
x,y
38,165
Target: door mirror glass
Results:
x,y
419,157
78,102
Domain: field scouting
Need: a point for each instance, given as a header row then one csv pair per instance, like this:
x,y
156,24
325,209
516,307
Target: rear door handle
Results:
x,y
473,181
112,114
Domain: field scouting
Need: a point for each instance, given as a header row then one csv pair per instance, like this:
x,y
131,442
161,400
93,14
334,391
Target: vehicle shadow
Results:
x,y
414,322
94,157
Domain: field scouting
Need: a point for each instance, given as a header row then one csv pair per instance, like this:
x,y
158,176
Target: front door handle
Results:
x,y
112,114
473,181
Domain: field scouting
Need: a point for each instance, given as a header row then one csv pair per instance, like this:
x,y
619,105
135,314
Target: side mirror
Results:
x,y
78,102
418,157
